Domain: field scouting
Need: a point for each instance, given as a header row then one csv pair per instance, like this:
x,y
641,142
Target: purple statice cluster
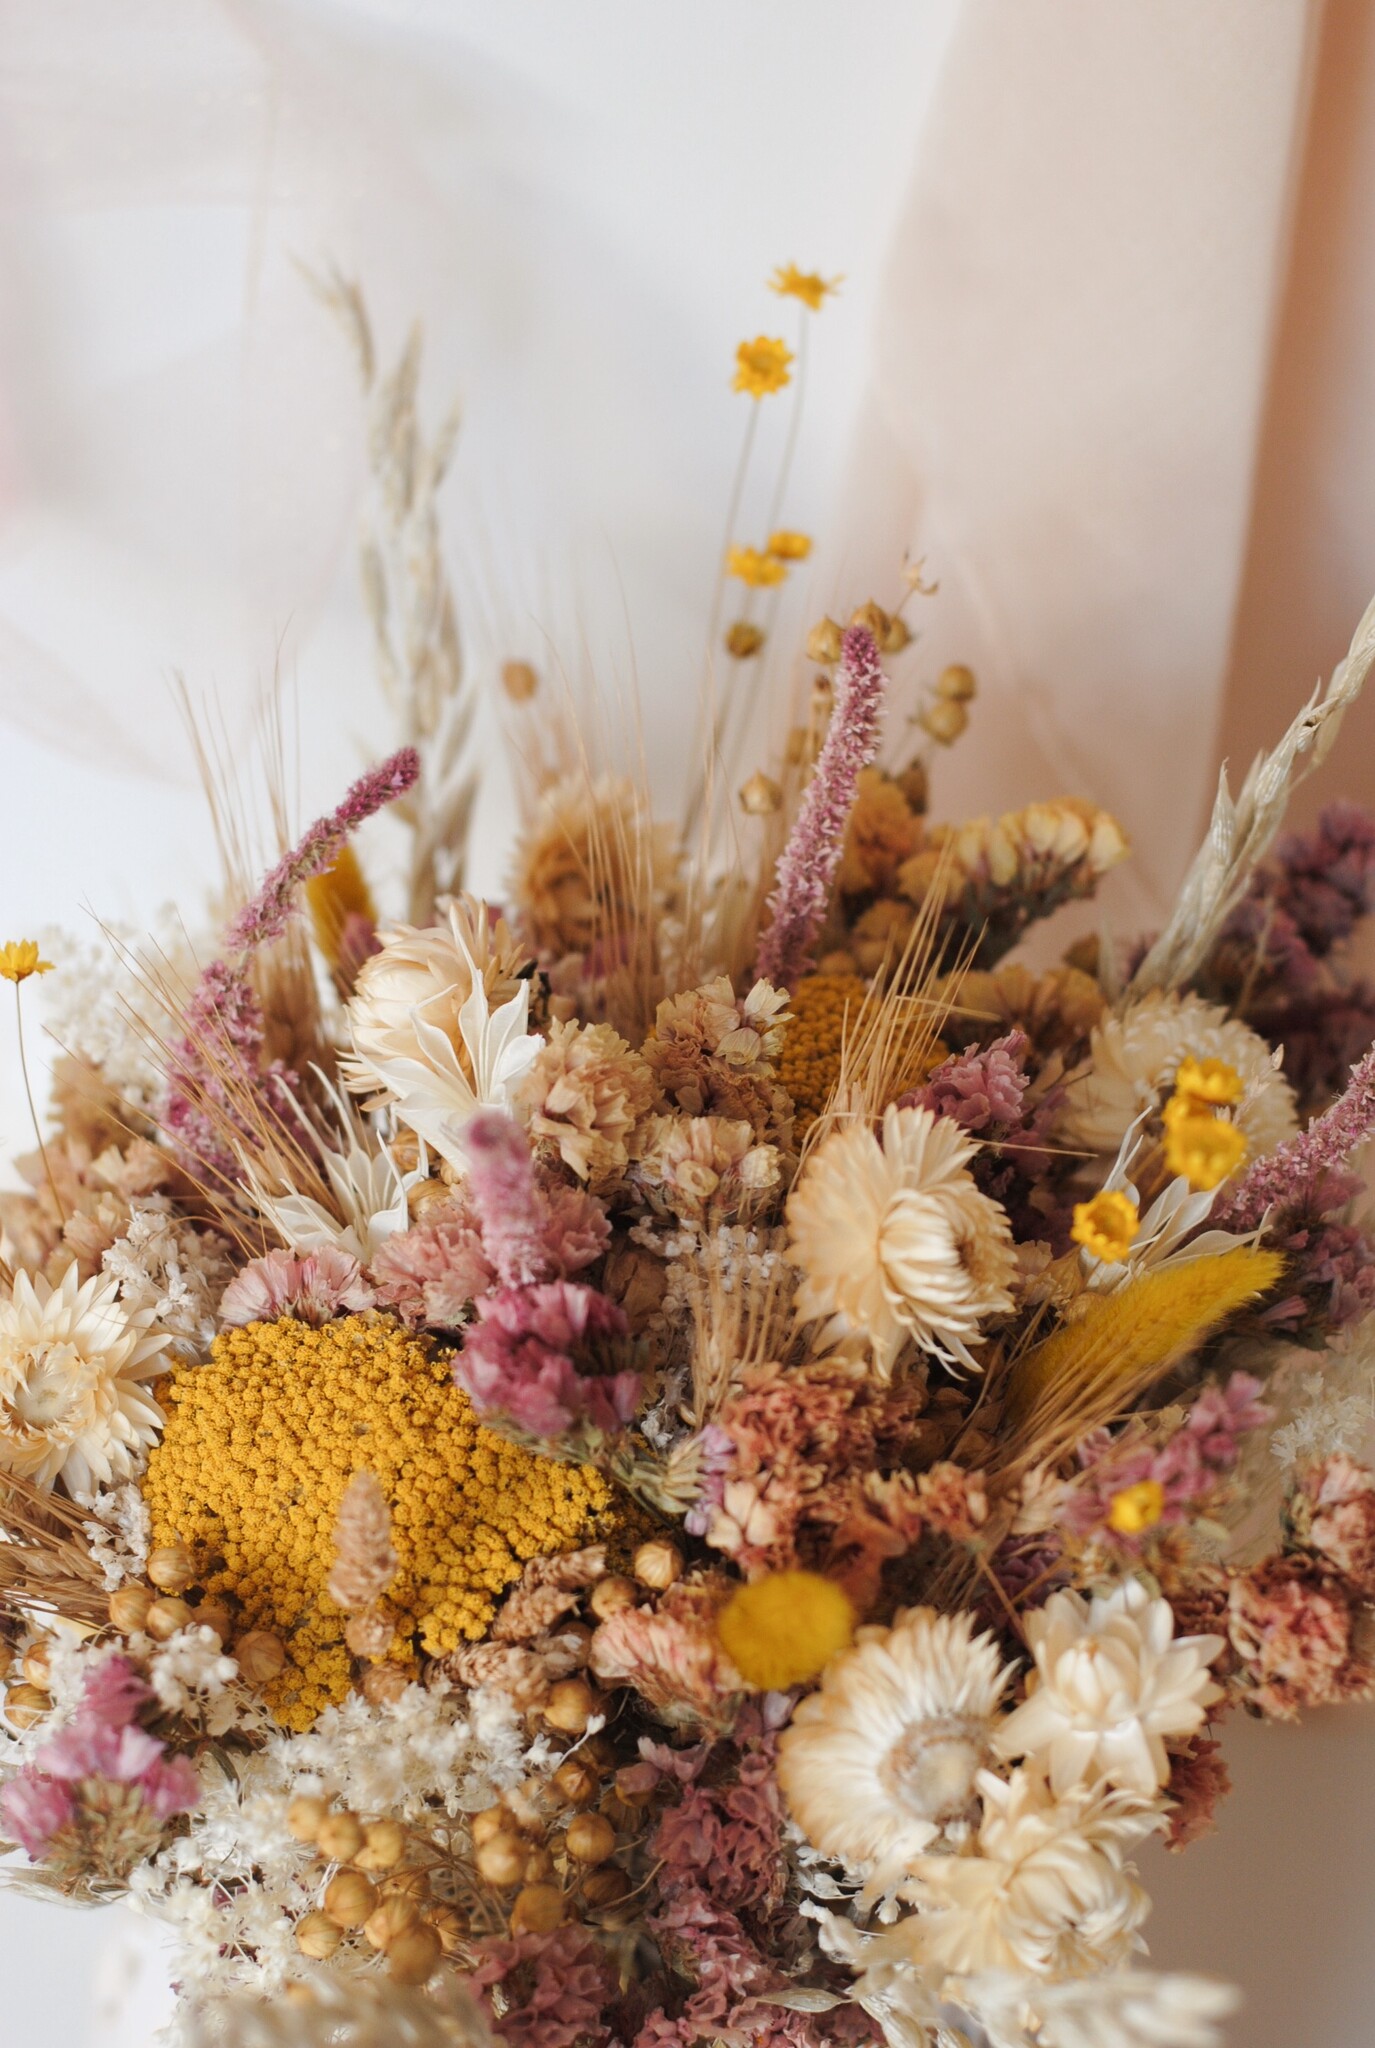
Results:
x,y
1188,1467
100,1748
979,1090
524,1356
984,1090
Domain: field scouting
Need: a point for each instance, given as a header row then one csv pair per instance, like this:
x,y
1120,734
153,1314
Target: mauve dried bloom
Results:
x,y
314,1288
518,1360
1182,1472
1323,1035
555,1987
1199,1780
1329,1276
434,1271
501,1188
954,1503
704,1168
1335,1515
1325,879
671,1654
34,1809
582,1096
808,863
1286,1177
979,1089
732,1831
1291,1622
714,1053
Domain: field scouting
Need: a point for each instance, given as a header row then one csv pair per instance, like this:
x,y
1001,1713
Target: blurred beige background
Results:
x,y
1102,356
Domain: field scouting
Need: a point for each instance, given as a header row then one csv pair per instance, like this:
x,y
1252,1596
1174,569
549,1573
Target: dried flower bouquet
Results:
x,y
697,1457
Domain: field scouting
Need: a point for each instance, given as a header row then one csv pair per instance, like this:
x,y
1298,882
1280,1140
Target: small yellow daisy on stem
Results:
x,y
808,285
20,958
1106,1226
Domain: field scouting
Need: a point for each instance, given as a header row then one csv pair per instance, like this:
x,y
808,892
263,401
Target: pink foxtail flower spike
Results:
x,y
808,863
1285,1176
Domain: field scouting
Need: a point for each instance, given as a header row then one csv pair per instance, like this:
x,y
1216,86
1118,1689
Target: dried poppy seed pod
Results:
x,y
129,1608
761,796
873,618
577,1781
897,637
945,720
414,1956
350,1898
449,1924
305,1817
394,1916
171,1568
384,1844
339,1837
501,1860
956,683
260,1656
37,1666
823,642
539,1909
609,1596
318,1937
519,680
658,1564
166,1616
744,639
25,1705
570,1705
591,1838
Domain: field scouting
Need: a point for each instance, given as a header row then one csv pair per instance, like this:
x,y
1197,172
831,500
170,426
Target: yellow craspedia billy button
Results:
x,y
261,1441
784,1629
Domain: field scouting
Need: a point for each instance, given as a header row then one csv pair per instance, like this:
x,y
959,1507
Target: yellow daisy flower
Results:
x,y
19,959
789,547
758,570
808,285
761,366
1106,1226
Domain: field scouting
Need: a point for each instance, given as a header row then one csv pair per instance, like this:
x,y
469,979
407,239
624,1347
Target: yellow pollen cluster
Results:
x,y
1137,1508
1106,1226
824,1008
1207,1084
1199,1143
262,1440
784,1629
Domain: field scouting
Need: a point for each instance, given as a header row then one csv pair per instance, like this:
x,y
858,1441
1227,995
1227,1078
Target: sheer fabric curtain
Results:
x,y
1101,357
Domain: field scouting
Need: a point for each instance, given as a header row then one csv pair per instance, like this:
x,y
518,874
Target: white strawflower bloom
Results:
x,y
1135,1057
889,1746
1049,1891
1111,1683
1120,2009
428,973
72,1359
360,2012
894,1241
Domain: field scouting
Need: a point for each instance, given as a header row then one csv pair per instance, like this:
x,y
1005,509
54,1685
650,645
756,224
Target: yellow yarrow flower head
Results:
x,y
784,1629
1202,1147
1207,1084
19,959
808,285
760,571
1106,1226
1137,1508
786,546
761,366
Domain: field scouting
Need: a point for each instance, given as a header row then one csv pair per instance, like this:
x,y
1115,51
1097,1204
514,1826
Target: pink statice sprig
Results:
x,y
1189,1466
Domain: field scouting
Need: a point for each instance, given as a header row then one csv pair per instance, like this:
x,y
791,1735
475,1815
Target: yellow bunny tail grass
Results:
x,y
340,904
1100,1363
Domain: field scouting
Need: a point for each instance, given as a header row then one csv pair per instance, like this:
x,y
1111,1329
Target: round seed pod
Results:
x,y
25,1705
493,1820
449,1924
578,1781
570,1706
129,1608
501,1860
897,637
823,642
576,1638
658,1565
956,683
318,1937
6,1659
539,1864
166,1616
605,1886
37,1665
519,680
591,1838
305,1817
414,1884
873,618
538,1909
414,1956
171,1568
384,1844
260,1656
609,1596
945,720
214,1614
392,1917
339,1837
761,796
743,639
350,1898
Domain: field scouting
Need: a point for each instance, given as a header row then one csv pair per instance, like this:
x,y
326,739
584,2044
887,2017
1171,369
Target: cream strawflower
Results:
x,y
889,1747
895,1242
1049,1891
1120,2009
427,975
71,1362
1111,1683
1134,1061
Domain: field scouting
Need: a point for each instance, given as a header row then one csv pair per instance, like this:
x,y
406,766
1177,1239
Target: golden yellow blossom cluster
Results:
x,y
824,1008
260,1444
1200,1143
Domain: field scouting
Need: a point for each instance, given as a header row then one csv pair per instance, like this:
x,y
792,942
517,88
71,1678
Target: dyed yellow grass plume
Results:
x,y
1120,1343
335,896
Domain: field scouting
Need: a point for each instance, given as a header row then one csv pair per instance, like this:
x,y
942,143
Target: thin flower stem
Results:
x,y
794,424
28,1091
737,491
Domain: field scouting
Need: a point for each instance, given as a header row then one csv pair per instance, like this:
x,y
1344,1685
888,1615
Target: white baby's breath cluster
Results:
x,y
171,1270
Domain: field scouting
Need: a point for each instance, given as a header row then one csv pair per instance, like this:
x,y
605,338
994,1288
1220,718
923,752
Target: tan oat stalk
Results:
x,y
366,1563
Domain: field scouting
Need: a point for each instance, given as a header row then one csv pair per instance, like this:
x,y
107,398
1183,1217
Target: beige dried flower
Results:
x,y
366,1563
883,832
590,865
428,974
704,1167
584,1092
549,1588
713,1052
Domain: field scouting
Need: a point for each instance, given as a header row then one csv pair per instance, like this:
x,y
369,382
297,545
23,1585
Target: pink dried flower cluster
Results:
x,y
1335,1516
102,1741
732,1829
1292,1622
1199,1782
979,1089
555,1987
1188,1467
1287,1177
433,1272
1324,880
672,1655
313,1288
525,1359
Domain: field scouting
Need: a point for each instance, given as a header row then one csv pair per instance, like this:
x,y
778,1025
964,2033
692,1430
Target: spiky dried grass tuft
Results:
x,y
46,1565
